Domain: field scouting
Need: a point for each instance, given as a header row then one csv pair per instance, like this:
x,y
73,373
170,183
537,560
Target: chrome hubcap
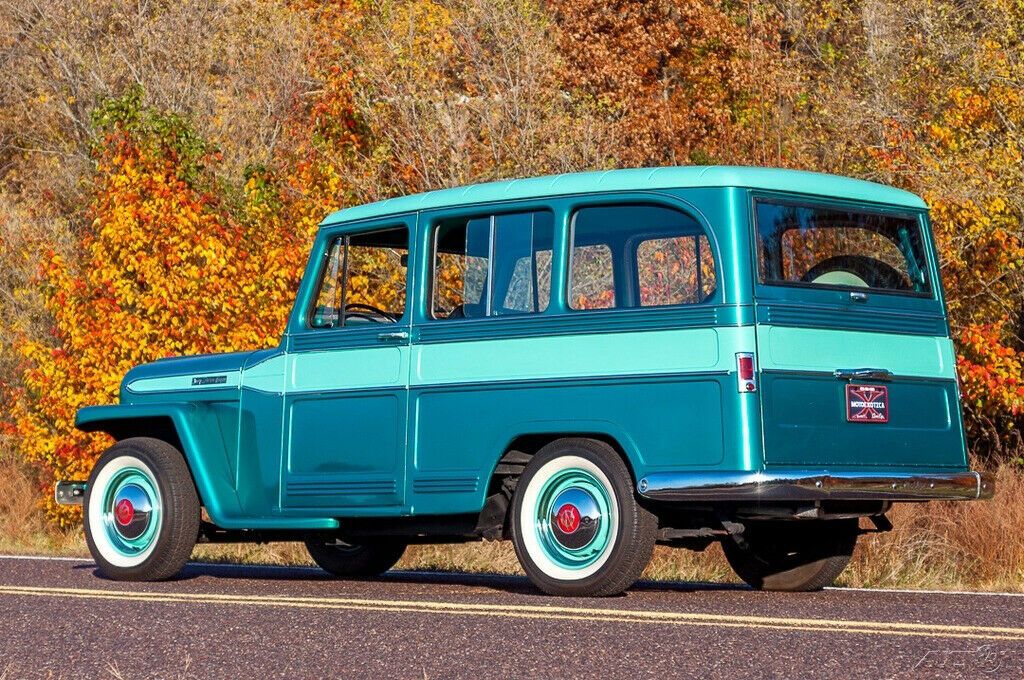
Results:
x,y
131,512
575,518
572,521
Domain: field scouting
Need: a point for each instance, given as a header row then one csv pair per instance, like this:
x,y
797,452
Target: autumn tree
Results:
x,y
451,93
322,136
231,67
681,82
927,95
164,269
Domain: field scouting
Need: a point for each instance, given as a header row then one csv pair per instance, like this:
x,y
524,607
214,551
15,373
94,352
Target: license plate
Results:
x,y
867,403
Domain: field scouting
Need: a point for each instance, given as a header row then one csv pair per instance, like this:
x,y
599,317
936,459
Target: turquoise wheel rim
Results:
x,y
131,512
572,519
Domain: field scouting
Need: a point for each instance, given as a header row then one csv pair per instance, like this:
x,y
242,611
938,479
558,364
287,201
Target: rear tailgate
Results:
x,y
856,367
813,418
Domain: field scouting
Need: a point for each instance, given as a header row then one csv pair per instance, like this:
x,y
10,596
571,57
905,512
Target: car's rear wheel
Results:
x,y
792,555
576,524
141,511
356,560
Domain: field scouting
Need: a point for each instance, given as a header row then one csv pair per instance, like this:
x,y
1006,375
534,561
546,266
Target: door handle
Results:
x,y
863,374
393,336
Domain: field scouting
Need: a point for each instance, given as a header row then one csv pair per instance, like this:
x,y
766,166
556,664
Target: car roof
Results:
x,y
636,179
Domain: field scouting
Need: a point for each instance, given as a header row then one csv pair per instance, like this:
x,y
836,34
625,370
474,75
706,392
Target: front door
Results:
x,y
345,387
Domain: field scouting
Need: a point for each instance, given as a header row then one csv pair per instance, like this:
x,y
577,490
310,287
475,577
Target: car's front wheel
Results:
x,y
576,524
797,555
141,511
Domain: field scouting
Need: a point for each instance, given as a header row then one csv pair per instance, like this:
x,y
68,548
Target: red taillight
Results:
x,y
745,365
745,372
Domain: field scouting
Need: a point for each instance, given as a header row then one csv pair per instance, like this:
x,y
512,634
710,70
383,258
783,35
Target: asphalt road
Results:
x,y
60,619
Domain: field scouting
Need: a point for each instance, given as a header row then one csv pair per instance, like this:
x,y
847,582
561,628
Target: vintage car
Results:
x,y
586,364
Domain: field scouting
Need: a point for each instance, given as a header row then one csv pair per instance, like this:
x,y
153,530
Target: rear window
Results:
x,y
825,246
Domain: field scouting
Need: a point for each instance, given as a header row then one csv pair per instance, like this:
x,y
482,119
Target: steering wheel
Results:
x,y
362,311
860,271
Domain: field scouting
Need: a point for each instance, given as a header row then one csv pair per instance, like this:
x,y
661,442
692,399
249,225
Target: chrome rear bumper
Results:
x,y
814,485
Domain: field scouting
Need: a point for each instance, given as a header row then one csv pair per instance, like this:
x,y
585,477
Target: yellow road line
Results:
x,y
539,612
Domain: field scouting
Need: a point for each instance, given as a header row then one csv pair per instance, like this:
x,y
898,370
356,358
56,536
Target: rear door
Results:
x,y
856,366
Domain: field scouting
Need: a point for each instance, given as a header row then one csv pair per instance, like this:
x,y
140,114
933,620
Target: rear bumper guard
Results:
x,y
815,485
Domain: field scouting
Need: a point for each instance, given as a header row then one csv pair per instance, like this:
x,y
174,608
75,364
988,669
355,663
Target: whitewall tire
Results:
x,y
141,511
576,525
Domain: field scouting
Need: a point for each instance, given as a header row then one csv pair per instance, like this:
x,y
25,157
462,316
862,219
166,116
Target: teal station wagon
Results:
x,y
585,364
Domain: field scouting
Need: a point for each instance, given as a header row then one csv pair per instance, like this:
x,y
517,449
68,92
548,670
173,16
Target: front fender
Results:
x,y
198,436
200,440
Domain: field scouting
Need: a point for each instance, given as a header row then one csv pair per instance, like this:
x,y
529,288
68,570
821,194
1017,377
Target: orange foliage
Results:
x,y
164,270
684,82
992,382
322,135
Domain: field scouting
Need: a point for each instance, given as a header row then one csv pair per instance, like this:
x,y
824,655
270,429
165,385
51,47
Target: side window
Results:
x,y
677,270
362,280
461,257
593,279
492,266
627,256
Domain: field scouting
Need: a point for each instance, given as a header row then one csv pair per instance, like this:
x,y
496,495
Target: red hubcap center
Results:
x,y
568,518
124,512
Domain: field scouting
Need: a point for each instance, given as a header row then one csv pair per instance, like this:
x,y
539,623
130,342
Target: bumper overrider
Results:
x,y
815,485
69,493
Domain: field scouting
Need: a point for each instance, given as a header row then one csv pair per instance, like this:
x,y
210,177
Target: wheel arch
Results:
x,y
530,443
187,428
496,504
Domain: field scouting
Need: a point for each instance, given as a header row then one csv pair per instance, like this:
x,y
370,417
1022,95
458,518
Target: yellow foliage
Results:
x,y
165,269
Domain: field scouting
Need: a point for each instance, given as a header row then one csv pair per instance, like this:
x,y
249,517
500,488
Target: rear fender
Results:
x,y
559,429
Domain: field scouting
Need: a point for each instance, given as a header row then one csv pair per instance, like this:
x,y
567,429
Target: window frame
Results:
x,y
346,235
629,255
809,201
467,216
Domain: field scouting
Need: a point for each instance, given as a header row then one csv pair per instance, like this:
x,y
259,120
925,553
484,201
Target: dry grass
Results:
x,y
977,546
943,546
22,528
